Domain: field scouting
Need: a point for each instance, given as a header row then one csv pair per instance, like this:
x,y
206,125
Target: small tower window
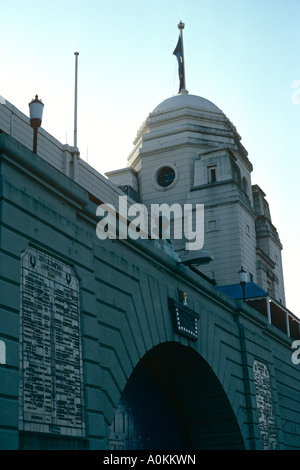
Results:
x,y
245,186
212,175
165,176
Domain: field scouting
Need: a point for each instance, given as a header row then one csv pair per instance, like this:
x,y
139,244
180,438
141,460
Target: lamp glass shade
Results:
x,y
243,277
36,108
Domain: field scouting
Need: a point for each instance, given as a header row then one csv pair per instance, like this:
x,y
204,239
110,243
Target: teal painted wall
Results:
x,y
124,291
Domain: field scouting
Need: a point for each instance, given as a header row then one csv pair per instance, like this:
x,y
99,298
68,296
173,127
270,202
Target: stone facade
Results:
x,y
195,139
82,318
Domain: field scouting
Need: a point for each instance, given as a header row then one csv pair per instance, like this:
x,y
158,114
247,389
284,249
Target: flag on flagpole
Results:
x,y
178,52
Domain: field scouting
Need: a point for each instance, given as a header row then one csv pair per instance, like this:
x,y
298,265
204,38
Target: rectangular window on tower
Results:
x,y
212,175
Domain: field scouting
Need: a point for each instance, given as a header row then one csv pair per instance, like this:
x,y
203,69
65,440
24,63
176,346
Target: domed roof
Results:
x,y
185,101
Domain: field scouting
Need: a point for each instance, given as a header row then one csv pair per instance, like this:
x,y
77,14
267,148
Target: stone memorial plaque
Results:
x,y
51,375
264,403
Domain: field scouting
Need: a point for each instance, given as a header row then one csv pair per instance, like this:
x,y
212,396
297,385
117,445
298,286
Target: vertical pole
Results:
x,y
35,131
181,27
268,309
75,104
287,324
243,292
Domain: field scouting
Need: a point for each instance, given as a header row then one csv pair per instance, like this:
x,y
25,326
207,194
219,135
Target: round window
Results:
x,y
165,176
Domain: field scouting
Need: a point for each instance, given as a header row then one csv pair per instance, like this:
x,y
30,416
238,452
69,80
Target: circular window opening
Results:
x,y
165,176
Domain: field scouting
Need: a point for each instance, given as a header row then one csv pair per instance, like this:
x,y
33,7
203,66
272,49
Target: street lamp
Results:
x,y
36,108
243,280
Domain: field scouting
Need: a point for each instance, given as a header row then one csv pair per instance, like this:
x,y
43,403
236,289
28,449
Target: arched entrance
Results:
x,y
173,400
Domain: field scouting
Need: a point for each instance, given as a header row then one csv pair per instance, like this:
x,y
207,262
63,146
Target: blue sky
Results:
x,y
243,55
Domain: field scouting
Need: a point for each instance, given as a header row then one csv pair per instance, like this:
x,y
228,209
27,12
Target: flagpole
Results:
x,y
180,26
75,103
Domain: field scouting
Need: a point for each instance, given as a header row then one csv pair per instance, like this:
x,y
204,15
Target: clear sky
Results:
x,y
243,55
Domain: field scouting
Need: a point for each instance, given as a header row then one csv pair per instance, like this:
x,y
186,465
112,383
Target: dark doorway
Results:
x,y
173,400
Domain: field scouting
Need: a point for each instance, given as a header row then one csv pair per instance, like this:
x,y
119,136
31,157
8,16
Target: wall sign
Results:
x,y
185,320
266,417
51,375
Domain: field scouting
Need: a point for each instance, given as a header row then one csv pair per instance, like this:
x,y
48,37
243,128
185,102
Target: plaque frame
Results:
x,y
185,320
51,397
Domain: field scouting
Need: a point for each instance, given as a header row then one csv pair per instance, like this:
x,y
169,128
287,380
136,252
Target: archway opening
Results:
x,y
173,400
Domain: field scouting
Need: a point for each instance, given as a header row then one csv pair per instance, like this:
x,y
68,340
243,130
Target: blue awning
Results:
x,y
235,291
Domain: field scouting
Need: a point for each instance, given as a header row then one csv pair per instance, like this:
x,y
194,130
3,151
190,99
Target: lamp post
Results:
x,y
243,280
36,108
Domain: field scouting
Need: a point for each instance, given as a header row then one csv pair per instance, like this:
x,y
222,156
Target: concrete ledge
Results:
x,y
19,154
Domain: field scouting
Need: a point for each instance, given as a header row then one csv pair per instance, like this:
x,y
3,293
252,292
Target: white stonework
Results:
x,y
202,149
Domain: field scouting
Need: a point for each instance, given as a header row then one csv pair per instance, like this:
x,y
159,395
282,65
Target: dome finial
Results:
x,y
180,57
